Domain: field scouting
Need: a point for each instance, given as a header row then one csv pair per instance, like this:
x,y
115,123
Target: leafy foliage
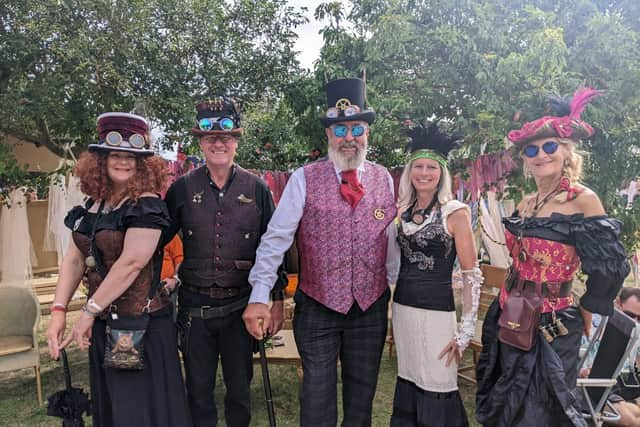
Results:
x,y
65,62
483,67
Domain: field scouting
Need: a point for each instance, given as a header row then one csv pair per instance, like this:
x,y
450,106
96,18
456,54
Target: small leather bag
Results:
x,y
125,341
520,315
125,334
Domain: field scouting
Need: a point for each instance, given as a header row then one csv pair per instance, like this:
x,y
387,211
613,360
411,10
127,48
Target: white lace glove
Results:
x,y
472,282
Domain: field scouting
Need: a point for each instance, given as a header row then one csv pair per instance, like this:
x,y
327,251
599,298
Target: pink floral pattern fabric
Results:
x,y
546,262
343,249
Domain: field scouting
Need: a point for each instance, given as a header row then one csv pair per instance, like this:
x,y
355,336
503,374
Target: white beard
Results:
x,y
345,163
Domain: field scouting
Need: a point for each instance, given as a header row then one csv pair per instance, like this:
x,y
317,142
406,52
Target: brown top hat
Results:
x,y
217,117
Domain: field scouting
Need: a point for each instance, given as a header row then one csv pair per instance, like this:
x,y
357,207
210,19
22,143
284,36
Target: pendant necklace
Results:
x,y
90,260
418,216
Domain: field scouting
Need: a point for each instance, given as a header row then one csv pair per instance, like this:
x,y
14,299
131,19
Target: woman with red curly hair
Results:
x,y
135,372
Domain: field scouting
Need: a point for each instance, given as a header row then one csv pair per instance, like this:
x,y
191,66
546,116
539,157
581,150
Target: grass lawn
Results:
x,y
19,406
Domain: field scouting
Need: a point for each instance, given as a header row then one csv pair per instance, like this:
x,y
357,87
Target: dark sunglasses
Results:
x,y
634,316
340,131
215,123
548,147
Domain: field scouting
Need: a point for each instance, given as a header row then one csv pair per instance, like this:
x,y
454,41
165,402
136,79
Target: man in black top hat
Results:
x,y
222,210
341,211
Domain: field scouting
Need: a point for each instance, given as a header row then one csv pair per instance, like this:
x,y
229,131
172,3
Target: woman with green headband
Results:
x,y
433,231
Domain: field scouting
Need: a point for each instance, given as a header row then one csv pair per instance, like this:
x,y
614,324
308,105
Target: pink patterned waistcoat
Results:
x,y
343,250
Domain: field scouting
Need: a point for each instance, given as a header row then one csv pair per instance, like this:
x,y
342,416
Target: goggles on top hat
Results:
x,y
215,123
115,139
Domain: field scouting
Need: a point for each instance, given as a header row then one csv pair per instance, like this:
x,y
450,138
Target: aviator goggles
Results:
x,y
351,110
548,147
115,139
215,123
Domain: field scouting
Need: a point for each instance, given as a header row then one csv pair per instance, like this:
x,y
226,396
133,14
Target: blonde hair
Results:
x,y
572,167
407,193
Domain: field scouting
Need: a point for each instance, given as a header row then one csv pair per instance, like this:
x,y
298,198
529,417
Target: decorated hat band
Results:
x,y
428,154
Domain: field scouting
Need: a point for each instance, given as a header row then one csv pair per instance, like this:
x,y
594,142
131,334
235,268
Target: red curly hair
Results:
x,y
151,176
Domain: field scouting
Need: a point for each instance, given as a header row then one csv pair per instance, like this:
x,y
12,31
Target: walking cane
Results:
x,y
265,378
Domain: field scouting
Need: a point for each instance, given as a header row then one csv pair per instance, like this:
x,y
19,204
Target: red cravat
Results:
x,y
350,188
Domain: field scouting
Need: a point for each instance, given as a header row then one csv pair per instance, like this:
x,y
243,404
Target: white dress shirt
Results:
x,y
281,232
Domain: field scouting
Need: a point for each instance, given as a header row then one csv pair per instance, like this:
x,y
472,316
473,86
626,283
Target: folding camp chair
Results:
x,y
617,336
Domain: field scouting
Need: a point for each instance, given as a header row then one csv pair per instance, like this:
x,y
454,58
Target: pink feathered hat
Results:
x,y
566,125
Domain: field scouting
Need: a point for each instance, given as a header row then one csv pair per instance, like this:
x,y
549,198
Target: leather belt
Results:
x,y
217,292
207,312
549,290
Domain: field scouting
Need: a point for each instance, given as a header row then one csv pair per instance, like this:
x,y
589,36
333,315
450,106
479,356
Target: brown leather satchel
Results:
x,y
520,315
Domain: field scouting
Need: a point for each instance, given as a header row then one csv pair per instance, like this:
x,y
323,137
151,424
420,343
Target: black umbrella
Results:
x,y
71,403
266,380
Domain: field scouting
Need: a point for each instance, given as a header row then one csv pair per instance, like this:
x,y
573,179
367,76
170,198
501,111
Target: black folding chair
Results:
x,y
617,336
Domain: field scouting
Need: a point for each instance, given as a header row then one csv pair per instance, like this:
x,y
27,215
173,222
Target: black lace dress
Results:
x,y
153,397
537,387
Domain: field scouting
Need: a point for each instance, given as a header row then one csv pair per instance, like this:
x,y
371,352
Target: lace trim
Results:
x,y
472,280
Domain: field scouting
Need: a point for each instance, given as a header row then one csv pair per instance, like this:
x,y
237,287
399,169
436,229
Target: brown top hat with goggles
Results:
x,y
123,132
345,102
219,116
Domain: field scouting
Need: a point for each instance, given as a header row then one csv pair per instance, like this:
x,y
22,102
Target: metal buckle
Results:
x,y
203,310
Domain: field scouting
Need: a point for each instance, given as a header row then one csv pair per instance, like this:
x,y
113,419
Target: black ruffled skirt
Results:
x,y
415,407
153,397
529,388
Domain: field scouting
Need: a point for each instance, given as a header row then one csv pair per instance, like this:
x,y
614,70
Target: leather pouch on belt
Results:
x,y
520,315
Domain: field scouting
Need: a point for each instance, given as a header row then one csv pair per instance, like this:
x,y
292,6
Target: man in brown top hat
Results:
x,y
222,210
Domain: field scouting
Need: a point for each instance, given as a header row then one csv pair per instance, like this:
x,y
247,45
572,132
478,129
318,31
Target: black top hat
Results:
x,y
123,132
345,102
218,116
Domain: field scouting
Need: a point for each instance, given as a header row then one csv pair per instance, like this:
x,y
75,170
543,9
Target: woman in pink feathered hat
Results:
x,y
532,332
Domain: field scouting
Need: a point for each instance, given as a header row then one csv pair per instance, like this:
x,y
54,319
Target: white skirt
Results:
x,y
420,335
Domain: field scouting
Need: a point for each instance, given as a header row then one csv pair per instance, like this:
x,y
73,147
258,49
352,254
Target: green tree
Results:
x,y
487,66
67,61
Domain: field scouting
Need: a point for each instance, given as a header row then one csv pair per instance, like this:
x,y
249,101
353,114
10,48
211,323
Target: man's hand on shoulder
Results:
x,y
252,315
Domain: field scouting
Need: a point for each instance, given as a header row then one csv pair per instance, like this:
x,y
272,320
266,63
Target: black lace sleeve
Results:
x,y
147,212
603,259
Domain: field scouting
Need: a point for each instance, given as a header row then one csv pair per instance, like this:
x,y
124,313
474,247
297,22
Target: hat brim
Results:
x,y
550,127
107,149
232,132
368,116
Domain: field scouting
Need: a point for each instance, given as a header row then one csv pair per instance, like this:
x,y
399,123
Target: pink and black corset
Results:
x,y
551,250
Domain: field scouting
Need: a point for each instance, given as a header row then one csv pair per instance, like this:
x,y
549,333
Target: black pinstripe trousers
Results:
x,y
357,338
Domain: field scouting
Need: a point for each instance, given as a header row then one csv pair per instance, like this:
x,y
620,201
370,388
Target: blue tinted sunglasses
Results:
x,y
548,147
215,123
340,131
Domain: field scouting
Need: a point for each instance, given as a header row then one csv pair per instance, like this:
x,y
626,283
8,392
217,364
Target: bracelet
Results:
x,y
59,304
92,303
58,308
88,312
